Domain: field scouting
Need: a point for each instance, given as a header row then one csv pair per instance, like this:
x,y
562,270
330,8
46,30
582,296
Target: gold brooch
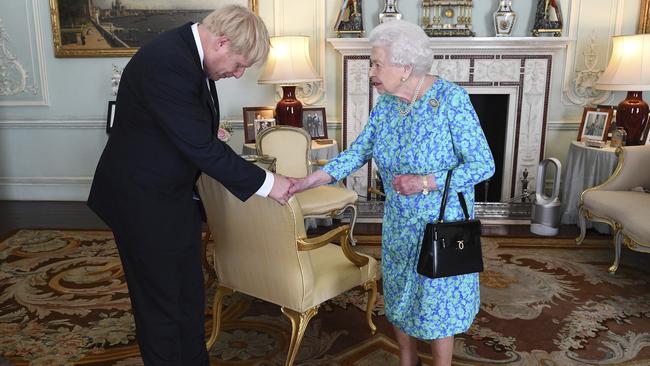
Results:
x,y
434,102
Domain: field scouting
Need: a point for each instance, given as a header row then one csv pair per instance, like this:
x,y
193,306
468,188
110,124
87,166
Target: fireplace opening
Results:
x,y
492,111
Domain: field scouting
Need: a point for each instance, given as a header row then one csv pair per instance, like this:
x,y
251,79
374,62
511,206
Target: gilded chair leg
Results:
x,y
618,242
299,323
371,287
582,224
353,220
216,313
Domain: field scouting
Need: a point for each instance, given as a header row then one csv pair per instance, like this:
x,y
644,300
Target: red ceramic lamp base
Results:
x,y
632,114
289,109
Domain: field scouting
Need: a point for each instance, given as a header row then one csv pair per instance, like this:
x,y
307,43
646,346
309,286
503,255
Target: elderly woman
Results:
x,y
421,127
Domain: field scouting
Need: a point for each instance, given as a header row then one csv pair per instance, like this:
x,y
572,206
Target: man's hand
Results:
x,y
297,185
280,190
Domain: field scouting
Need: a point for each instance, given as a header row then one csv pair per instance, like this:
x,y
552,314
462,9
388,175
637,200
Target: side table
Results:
x,y
585,167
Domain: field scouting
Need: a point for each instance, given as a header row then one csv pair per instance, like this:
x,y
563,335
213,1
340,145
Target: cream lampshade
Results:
x,y
289,64
629,70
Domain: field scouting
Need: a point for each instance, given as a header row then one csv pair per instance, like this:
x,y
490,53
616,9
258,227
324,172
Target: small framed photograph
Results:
x,y
262,124
314,122
256,113
595,123
110,116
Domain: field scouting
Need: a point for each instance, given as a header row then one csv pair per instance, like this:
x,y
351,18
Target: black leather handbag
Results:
x,y
451,248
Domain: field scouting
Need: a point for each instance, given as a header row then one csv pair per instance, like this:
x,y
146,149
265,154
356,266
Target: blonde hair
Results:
x,y
246,31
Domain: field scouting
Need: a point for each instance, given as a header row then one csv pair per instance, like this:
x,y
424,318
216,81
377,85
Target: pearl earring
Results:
x,y
403,79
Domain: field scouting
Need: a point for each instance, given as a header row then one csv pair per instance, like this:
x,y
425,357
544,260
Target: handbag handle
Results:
x,y
443,204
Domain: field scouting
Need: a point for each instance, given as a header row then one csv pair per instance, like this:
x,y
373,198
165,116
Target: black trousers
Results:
x,y
165,282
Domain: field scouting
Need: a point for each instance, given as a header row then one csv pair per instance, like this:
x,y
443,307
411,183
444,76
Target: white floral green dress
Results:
x,y
421,143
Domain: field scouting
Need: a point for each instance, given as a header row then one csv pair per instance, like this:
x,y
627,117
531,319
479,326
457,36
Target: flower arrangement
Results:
x,y
225,131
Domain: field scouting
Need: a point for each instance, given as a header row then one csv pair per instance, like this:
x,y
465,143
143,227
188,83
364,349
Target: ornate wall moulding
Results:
x,y
22,69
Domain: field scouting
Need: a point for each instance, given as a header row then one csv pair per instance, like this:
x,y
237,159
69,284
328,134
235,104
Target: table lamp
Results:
x,y
289,64
629,70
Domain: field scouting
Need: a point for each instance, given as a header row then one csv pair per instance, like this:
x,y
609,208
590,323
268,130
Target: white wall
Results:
x,y
52,134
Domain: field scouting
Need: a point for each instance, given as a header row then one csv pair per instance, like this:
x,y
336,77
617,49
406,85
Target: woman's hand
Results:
x,y
407,184
314,179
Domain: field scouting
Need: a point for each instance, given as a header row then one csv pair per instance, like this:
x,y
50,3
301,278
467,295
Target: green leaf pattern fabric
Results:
x,y
441,132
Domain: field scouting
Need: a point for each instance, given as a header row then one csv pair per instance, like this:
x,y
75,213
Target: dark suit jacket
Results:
x,y
162,139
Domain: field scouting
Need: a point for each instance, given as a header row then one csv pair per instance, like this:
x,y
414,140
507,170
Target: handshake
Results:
x,y
285,187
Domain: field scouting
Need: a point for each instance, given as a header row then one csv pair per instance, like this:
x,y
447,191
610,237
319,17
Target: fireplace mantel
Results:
x,y
517,66
358,46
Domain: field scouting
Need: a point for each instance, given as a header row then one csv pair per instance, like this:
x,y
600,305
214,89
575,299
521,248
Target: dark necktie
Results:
x,y
215,100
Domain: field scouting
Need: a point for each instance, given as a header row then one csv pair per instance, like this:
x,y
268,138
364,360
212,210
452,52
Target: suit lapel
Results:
x,y
213,103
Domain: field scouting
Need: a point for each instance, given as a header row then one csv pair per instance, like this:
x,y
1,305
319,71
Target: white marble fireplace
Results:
x,y
518,67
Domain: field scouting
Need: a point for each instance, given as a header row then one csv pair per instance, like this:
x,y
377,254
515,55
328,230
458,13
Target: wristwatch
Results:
x,y
425,185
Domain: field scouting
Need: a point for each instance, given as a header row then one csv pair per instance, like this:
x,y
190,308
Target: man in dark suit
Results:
x,y
164,136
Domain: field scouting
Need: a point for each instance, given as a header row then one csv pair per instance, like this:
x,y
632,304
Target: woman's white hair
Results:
x,y
406,43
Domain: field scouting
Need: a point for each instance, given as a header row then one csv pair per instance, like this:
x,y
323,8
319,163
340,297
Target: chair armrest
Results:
x,y
631,170
317,163
320,162
316,242
305,244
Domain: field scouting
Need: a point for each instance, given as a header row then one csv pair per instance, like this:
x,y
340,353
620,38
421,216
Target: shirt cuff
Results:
x,y
266,187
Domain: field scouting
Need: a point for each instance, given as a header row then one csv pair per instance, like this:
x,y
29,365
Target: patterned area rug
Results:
x,y
545,302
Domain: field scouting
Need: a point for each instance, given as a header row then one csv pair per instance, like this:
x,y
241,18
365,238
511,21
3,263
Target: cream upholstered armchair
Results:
x,y
260,249
291,146
622,203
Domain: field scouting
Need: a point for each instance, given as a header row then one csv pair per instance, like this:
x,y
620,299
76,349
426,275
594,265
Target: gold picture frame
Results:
x,y
117,31
644,17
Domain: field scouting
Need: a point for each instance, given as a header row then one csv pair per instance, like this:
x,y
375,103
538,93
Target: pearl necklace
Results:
x,y
406,111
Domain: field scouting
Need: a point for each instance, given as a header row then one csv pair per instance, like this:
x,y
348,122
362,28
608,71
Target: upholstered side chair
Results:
x,y
623,202
291,146
261,249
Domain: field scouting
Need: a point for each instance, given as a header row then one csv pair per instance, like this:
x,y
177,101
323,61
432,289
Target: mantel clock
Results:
x,y
443,18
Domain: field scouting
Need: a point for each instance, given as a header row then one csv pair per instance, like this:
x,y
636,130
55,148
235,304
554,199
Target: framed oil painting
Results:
x,y
595,123
110,28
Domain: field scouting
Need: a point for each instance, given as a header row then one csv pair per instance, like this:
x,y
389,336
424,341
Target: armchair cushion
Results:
x,y
325,199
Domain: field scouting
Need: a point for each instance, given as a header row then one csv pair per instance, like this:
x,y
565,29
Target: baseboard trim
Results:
x,y
45,188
